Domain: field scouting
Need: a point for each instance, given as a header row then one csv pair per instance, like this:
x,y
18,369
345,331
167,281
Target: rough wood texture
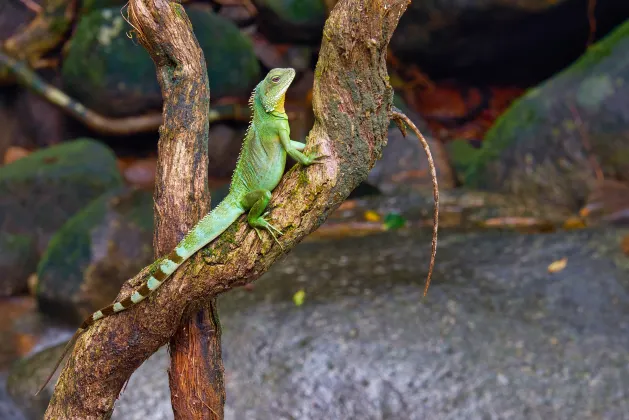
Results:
x,y
352,103
197,382
182,195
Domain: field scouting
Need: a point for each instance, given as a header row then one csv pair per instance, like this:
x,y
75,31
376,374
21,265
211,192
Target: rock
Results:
x,y
498,41
18,260
497,337
224,144
291,21
94,253
543,147
8,409
114,75
404,165
38,368
42,191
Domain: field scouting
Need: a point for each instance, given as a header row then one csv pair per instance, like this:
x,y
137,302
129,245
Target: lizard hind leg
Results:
x,y
257,202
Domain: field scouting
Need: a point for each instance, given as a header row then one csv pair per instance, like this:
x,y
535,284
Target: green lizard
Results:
x,y
259,169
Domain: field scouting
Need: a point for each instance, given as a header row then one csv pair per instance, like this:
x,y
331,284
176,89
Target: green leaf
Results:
x,y
299,297
393,221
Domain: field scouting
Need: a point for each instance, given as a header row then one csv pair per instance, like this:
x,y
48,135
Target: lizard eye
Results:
x,y
275,79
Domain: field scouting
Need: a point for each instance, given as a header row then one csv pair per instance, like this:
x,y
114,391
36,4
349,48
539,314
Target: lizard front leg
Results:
x,y
256,202
298,145
293,149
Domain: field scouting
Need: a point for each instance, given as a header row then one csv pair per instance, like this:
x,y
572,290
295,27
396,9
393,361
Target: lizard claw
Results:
x,y
263,224
314,160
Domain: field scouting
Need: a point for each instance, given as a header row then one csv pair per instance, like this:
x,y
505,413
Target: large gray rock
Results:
x,y
497,337
550,143
18,260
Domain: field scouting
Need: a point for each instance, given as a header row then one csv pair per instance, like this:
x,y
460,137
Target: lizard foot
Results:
x,y
315,159
263,224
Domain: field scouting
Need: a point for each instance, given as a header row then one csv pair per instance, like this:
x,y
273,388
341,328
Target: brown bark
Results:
x,y
182,195
352,103
196,376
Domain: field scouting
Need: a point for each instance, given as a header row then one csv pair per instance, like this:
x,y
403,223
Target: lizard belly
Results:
x,y
274,165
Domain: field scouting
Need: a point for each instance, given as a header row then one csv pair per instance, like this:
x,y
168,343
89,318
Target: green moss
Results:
x,y
70,155
600,50
69,250
302,179
114,75
522,115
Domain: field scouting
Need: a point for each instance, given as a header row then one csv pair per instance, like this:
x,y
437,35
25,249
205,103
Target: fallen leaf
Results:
x,y
574,222
393,221
624,245
557,266
14,153
371,216
299,297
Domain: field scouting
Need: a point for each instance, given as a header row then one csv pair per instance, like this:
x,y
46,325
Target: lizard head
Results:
x,y
273,89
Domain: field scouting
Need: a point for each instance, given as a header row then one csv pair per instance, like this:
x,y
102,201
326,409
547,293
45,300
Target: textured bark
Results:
x,y
352,103
196,376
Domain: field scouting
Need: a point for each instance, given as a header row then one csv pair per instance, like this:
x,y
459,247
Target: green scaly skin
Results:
x,y
259,169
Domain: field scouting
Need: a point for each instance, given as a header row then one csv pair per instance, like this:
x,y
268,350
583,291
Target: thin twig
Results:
x,y
32,6
400,119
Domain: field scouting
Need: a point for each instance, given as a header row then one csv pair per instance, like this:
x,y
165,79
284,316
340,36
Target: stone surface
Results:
x,y
18,260
497,337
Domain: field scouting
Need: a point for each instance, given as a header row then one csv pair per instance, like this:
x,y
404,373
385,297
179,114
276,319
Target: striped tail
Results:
x,y
204,232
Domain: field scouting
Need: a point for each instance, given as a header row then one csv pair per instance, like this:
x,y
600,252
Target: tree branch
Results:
x,y
352,103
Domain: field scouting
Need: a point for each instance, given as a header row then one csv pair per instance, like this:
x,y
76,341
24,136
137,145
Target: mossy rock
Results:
x,y
18,260
40,192
113,74
291,21
94,253
542,146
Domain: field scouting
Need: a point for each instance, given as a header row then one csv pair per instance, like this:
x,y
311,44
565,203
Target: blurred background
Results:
x,y
525,104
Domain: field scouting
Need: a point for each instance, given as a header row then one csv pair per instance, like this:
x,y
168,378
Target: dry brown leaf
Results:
x,y
557,266
624,245
14,153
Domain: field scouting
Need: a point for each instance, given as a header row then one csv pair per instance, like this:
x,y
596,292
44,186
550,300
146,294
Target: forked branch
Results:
x,y
352,101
